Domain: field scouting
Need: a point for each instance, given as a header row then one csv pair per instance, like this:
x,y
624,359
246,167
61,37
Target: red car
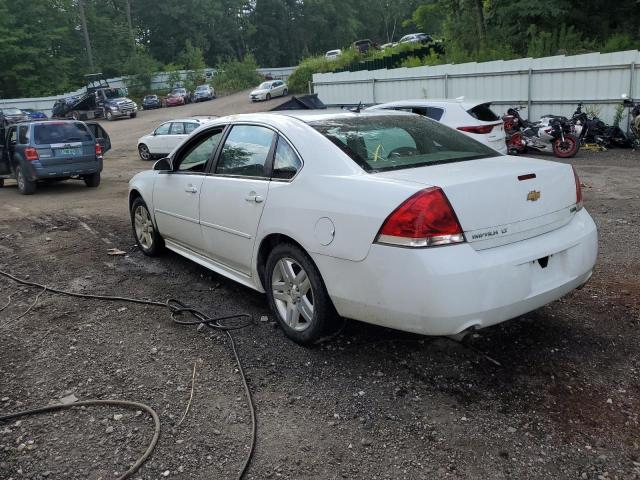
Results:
x,y
172,100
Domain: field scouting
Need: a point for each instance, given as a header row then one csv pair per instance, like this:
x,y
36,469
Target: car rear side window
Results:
x,y
286,162
433,113
177,128
59,132
392,142
190,127
245,151
483,113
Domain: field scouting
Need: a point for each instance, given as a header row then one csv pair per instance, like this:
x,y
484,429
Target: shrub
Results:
x,y
236,75
299,80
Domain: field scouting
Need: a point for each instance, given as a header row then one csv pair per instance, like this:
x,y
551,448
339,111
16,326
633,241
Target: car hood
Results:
x,y
259,91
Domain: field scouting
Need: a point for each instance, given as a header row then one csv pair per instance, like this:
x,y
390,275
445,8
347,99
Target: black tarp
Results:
x,y
304,102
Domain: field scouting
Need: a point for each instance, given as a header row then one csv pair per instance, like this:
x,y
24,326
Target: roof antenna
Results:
x,y
357,109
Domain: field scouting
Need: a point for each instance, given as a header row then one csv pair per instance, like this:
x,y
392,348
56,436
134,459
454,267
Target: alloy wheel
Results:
x,y
144,152
143,226
20,179
292,294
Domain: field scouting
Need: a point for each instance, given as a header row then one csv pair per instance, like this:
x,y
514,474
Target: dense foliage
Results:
x,y
45,50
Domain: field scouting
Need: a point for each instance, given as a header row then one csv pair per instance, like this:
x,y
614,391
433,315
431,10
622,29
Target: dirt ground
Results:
x,y
553,394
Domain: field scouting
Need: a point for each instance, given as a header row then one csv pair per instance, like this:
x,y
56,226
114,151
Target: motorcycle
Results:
x,y
593,130
552,132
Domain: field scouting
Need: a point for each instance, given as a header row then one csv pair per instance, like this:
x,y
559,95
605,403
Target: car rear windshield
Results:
x,y
483,113
394,142
54,132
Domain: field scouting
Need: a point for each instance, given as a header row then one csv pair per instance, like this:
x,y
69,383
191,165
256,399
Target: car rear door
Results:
x,y
5,168
101,135
176,135
176,193
234,195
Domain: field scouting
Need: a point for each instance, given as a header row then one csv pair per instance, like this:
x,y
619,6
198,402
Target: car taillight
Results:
x,y
578,189
98,149
425,219
31,154
480,129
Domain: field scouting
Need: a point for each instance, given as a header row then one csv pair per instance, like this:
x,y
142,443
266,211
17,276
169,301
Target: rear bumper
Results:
x,y
36,171
445,290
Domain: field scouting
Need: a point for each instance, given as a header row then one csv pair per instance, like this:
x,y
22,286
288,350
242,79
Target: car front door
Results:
x,y
234,195
176,193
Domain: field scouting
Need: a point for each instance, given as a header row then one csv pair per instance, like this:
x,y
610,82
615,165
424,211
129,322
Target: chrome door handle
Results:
x,y
191,189
254,198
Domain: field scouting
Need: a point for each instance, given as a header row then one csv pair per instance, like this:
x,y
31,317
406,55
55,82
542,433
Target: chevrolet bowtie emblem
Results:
x,y
533,196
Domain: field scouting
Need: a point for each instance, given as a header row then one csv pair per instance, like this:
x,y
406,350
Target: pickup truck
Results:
x,y
99,100
52,150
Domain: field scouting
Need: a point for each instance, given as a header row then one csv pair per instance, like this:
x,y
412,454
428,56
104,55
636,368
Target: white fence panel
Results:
x,y
545,85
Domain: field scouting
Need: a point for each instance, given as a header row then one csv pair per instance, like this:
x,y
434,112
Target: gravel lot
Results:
x,y
553,394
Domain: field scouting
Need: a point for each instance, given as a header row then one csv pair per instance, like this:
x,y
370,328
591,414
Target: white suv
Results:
x,y
166,137
476,119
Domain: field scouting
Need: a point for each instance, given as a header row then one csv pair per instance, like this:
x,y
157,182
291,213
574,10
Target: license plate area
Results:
x,y
68,152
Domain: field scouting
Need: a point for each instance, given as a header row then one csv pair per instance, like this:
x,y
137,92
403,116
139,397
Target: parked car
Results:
x,y
363,46
150,102
268,90
52,150
166,137
174,100
10,115
476,119
385,217
416,38
203,93
333,54
384,46
35,114
182,92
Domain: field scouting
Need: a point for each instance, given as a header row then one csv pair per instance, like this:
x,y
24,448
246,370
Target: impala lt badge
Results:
x,y
533,196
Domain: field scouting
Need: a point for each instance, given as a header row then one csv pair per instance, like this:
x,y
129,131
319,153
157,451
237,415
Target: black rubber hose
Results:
x,y
177,308
120,403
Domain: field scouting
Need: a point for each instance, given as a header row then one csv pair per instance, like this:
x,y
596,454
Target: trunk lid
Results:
x,y
504,199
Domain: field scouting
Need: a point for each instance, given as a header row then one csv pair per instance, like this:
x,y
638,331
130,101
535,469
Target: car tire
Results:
x,y
144,230
285,92
133,115
1,182
297,295
268,97
75,115
25,186
108,115
144,152
92,181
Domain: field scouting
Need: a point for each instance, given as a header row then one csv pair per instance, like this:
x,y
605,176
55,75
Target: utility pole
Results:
x,y
85,31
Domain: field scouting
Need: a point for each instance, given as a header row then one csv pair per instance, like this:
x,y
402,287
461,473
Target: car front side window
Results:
x,y
163,129
195,157
245,151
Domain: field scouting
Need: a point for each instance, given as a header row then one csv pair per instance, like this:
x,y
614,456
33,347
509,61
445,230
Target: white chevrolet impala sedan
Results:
x,y
385,217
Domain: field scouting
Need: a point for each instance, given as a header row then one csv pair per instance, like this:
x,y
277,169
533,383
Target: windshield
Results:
x,y
11,111
178,91
114,92
151,97
202,88
264,85
54,132
394,142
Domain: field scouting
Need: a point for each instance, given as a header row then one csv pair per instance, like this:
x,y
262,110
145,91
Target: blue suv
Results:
x,y
58,150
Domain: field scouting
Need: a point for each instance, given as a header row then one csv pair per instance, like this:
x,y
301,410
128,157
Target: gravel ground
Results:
x,y
553,394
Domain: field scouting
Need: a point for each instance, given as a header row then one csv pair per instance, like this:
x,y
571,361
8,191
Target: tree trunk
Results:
x,y
85,31
133,37
482,30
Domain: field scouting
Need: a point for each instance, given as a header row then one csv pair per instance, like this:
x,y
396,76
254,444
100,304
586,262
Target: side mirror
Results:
x,y
163,165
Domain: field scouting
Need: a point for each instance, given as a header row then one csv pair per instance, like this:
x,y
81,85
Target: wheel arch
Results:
x,y
268,243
